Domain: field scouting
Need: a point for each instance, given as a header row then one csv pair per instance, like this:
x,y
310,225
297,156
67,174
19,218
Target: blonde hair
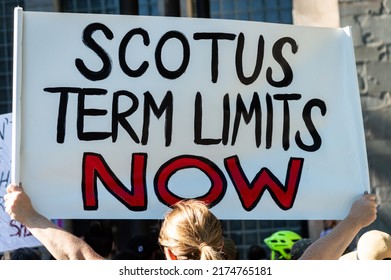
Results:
x,y
191,231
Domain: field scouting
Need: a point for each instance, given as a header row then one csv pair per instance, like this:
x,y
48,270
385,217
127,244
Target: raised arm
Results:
x,y
333,245
60,243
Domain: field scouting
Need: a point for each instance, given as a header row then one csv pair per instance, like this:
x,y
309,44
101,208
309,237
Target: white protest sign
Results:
x,y
13,235
121,116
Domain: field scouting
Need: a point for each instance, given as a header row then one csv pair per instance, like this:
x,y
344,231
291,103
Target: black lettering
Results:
x,y
120,118
278,56
239,60
62,108
215,48
82,112
5,178
166,106
269,121
122,53
286,118
226,119
172,75
2,133
198,124
310,125
104,72
255,106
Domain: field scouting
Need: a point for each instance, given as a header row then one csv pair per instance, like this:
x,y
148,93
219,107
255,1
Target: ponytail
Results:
x,y
191,231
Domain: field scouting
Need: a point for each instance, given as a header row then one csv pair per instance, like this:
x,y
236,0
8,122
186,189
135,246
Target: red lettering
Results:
x,y
251,193
215,175
94,166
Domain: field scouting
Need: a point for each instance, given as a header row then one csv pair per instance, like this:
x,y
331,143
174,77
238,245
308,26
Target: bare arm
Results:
x,y
333,245
60,243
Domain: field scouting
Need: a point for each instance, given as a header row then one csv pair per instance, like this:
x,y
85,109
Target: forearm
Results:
x,y
334,244
61,244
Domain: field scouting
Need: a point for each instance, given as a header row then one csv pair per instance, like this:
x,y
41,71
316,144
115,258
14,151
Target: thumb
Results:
x,y
13,188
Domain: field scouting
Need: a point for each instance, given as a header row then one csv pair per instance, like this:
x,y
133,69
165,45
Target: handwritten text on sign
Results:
x,y
236,101
13,235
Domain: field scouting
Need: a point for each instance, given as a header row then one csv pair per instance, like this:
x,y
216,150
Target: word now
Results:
x,y
94,167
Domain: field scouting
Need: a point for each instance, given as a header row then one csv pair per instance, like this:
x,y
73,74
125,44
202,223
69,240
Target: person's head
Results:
x,y
256,252
100,238
191,231
229,249
372,245
25,254
280,244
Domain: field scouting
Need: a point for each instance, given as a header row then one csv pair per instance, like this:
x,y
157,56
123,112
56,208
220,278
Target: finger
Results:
x,y
371,197
8,201
8,196
13,188
8,210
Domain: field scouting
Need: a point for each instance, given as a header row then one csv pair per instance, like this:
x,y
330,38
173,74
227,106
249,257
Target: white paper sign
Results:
x,y
122,116
13,235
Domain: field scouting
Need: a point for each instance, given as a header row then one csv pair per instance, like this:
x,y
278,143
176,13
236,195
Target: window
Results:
x,y
91,6
149,8
277,11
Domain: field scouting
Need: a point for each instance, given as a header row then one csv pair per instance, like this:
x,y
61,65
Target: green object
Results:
x,y
280,244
